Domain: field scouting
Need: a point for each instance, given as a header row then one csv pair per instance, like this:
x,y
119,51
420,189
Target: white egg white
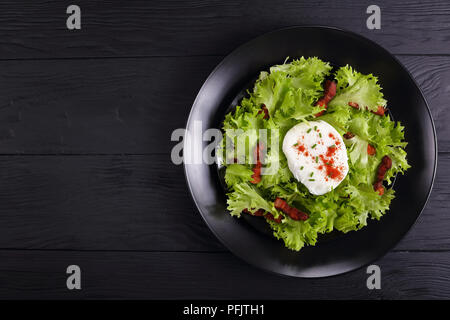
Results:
x,y
316,155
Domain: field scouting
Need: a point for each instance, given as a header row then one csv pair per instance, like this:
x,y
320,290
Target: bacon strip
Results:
x,y
257,213
380,111
282,205
348,135
353,105
385,165
270,216
371,150
292,212
256,176
328,94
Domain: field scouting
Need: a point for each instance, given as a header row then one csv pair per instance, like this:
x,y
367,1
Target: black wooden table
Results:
x,y
85,123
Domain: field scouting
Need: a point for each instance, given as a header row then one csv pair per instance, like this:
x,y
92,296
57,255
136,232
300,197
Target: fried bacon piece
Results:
x,y
270,216
265,110
380,111
385,165
348,135
262,213
256,176
257,213
328,94
371,150
292,212
380,190
282,205
353,105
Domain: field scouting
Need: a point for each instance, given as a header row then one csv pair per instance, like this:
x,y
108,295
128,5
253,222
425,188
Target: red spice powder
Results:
x,y
331,151
333,173
328,164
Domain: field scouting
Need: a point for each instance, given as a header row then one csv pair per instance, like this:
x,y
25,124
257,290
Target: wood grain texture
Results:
x,y
136,203
116,106
98,203
433,77
161,275
85,124
37,29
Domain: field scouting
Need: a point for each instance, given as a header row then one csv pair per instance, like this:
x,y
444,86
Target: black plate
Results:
x,y
406,104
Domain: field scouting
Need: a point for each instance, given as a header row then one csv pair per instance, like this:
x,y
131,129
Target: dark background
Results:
x,y
85,170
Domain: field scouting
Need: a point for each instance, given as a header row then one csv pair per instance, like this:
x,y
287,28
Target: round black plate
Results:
x,y
406,104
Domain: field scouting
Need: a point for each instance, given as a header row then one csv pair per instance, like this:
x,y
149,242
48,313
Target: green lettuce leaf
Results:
x,y
245,196
357,88
305,74
237,173
295,234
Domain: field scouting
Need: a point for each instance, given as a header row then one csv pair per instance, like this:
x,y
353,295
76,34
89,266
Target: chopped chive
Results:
x,y
312,173
301,168
315,128
320,135
296,144
312,179
314,146
309,130
333,146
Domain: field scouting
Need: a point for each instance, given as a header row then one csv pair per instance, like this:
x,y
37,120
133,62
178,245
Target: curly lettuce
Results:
x,y
357,88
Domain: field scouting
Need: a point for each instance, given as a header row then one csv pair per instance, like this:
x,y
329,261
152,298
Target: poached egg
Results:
x,y
316,155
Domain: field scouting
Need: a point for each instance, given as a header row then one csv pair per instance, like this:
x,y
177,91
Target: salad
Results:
x,y
319,151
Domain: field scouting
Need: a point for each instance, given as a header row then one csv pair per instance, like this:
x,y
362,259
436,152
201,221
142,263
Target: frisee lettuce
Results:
x,y
357,88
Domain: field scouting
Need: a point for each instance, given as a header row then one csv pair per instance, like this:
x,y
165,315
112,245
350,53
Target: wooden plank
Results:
x,y
163,275
115,106
136,203
96,106
159,28
433,76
